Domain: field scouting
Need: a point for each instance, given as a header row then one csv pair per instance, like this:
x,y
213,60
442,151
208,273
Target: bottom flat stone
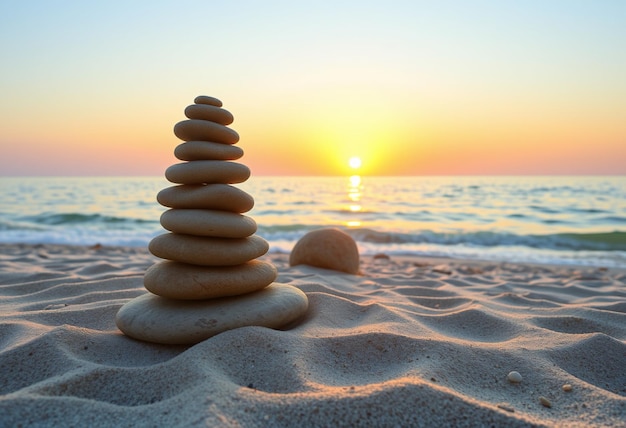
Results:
x,y
182,322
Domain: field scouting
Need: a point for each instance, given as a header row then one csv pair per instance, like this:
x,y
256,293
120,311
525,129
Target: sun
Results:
x,y
355,162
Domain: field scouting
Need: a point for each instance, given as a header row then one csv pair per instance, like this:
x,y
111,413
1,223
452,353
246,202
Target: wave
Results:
x,y
609,241
7,225
611,219
78,229
76,218
72,223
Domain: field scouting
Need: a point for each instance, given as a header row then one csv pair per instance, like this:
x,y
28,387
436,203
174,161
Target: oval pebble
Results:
x,y
514,377
205,251
210,113
205,99
215,196
545,402
203,130
207,171
177,280
220,224
206,150
185,322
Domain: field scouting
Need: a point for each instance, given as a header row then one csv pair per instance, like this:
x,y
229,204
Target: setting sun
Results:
x,y
355,162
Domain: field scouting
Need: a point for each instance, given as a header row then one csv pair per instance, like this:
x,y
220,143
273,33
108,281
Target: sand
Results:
x,y
410,342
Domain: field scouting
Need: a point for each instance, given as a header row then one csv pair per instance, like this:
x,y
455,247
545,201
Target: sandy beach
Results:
x,y
409,342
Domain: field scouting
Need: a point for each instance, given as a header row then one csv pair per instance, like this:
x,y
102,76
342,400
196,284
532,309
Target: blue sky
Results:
x,y
442,77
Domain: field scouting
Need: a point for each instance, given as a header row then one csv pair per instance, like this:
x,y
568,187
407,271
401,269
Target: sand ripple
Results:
x,y
409,343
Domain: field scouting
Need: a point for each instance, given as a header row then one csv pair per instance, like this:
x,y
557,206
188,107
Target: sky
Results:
x,y
410,87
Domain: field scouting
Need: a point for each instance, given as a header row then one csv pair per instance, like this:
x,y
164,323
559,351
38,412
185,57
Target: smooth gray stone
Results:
x,y
327,248
206,251
185,322
207,171
210,113
205,99
216,196
204,130
216,223
206,150
177,280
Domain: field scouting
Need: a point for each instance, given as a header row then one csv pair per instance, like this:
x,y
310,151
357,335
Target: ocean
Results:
x,y
561,220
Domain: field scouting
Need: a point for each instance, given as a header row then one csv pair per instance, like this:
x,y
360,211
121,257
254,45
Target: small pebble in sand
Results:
x,y
443,269
514,377
567,387
421,264
545,402
506,407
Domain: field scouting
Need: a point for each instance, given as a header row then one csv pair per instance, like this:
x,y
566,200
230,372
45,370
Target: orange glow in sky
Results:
x,y
420,88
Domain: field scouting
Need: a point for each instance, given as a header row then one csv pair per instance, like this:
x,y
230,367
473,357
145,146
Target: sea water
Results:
x,y
563,220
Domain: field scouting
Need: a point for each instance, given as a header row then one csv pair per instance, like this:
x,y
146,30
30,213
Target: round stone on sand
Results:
x,y
210,113
206,150
189,282
327,248
203,130
220,224
215,196
207,171
205,251
185,322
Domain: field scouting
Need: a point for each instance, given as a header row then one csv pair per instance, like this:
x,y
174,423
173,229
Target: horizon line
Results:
x,y
328,175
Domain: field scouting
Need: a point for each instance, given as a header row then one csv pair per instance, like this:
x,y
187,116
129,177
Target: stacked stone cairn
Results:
x,y
210,279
